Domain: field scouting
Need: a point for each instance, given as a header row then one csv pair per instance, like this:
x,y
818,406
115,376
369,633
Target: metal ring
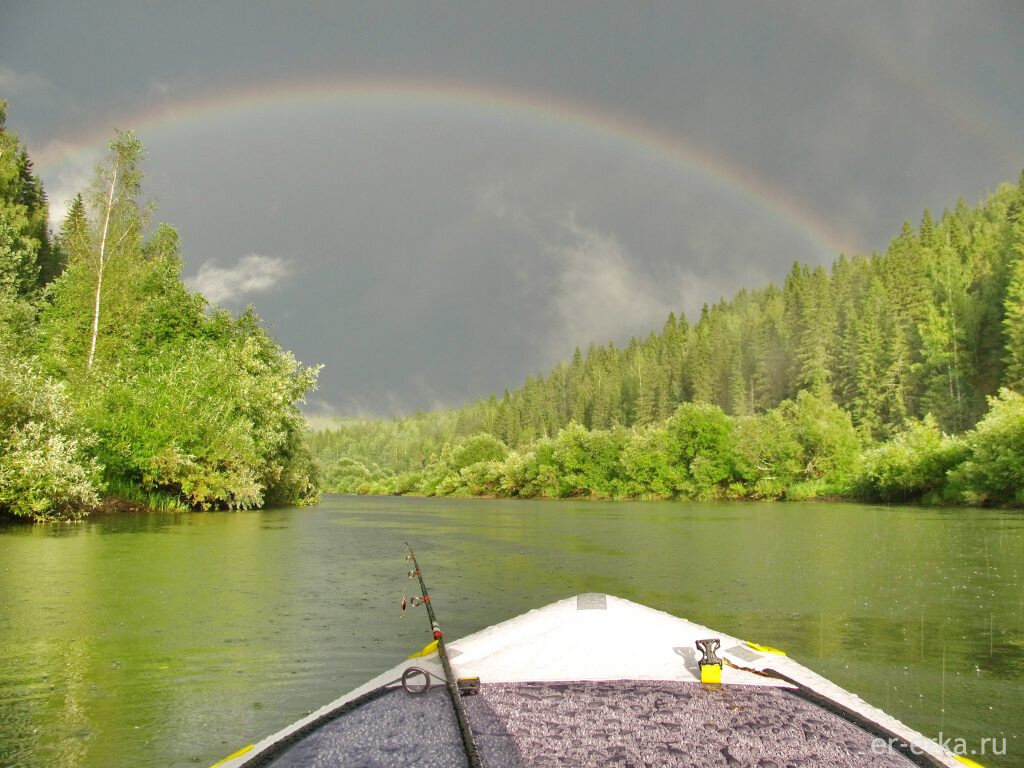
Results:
x,y
415,688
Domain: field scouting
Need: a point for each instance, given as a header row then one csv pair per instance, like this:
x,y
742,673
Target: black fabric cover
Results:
x,y
618,723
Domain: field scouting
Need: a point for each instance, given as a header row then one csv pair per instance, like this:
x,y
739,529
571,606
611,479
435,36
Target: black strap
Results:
x,y
893,741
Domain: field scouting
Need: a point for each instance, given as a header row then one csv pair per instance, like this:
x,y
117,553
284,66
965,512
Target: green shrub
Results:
x,y
829,445
702,435
532,473
483,478
587,462
407,482
477,448
994,470
213,421
767,454
443,474
346,475
649,465
768,488
911,465
810,489
46,470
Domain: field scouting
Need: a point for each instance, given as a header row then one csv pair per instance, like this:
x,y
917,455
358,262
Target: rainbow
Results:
x,y
471,99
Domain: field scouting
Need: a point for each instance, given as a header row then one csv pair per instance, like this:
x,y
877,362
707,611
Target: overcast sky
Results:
x,y
439,199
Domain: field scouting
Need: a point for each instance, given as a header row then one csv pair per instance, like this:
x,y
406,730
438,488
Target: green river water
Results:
x,y
172,640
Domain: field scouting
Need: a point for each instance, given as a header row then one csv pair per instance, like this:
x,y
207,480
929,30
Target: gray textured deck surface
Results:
x,y
624,723
401,729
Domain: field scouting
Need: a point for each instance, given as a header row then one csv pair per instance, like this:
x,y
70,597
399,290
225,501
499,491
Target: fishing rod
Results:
x,y
453,687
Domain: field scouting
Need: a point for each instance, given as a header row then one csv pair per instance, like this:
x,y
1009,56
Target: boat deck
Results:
x,y
595,680
608,723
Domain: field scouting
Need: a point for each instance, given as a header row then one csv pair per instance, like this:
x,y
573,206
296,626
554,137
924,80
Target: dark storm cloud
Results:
x,y
430,256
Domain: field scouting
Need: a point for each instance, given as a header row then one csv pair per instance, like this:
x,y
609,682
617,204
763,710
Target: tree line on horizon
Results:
x,y
898,357
117,383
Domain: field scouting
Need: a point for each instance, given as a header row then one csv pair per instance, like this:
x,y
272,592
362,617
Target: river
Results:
x,y
173,639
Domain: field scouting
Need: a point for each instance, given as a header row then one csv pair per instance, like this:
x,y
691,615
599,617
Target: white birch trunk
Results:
x,y
100,266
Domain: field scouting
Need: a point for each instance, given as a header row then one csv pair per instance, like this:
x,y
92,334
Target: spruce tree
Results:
x,y
700,377
1013,322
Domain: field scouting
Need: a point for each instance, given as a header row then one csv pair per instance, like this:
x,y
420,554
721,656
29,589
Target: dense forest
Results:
x,y
892,377
118,384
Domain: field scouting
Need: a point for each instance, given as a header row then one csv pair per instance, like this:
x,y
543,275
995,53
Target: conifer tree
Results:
x,y
867,403
700,377
73,237
1014,322
811,329
25,239
19,268
897,380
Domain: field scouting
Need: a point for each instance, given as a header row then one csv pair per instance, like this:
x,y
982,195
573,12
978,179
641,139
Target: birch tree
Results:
x,y
118,219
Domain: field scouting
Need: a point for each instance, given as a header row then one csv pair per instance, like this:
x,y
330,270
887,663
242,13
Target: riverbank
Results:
x,y
108,506
806,449
794,496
